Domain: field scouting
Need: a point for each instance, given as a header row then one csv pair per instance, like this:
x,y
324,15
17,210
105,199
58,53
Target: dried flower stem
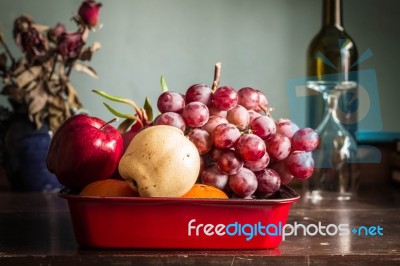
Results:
x,y
53,68
69,70
7,49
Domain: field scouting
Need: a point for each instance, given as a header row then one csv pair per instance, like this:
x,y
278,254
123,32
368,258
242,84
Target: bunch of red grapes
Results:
x,y
244,151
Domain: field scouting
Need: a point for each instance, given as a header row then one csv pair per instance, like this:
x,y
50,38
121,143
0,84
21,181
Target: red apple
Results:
x,y
130,134
84,149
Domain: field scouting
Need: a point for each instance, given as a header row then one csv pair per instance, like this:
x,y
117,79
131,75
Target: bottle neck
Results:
x,y
332,14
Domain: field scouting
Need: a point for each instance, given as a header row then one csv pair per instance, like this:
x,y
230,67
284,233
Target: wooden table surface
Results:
x,y
35,229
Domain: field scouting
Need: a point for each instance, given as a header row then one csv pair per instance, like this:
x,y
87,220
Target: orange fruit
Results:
x,y
205,191
109,188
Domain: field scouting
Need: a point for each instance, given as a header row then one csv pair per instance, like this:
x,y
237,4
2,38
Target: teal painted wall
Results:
x,y
261,44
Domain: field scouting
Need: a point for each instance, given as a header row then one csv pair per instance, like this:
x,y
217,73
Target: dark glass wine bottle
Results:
x,y
332,55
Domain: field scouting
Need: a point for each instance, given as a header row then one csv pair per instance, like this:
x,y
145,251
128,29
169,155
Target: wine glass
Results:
x,y
336,174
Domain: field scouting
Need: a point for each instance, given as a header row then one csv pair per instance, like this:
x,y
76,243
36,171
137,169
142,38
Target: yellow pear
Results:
x,y
160,162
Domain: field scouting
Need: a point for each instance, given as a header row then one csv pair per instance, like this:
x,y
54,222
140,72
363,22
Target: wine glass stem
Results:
x,y
332,105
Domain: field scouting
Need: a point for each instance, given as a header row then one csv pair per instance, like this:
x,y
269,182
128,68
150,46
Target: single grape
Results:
x,y
259,164
213,122
253,115
268,181
215,154
263,102
249,98
251,147
300,164
170,102
170,119
263,126
244,183
239,116
281,168
214,111
305,139
229,162
201,139
225,136
198,93
286,127
212,176
278,146
225,98
195,114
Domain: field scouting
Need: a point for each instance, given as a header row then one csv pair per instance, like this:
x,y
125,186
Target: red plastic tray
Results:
x,y
175,223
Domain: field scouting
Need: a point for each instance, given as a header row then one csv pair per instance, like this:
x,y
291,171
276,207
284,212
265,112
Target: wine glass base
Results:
x,y
319,195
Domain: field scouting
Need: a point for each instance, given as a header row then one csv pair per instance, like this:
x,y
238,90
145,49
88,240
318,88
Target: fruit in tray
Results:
x,y
214,136
109,188
84,149
160,162
205,191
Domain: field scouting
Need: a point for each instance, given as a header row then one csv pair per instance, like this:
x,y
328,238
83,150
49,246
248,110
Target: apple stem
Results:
x,y
217,74
115,119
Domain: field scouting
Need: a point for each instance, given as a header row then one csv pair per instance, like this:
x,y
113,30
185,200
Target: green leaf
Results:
x,y
124,126
118,114
148,108
119,99
164,86
110,97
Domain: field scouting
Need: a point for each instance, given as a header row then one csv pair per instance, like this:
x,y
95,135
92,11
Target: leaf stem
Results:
x,y
127,116
121,100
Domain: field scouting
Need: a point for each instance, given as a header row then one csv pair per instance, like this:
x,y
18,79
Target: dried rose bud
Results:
x,y
54,33
89,12
70,45
28,38
32,43
22,24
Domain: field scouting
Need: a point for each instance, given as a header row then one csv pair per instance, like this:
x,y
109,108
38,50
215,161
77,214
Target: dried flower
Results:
x,y
21,24
70,45
89,12
54,33
28,38
37,84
